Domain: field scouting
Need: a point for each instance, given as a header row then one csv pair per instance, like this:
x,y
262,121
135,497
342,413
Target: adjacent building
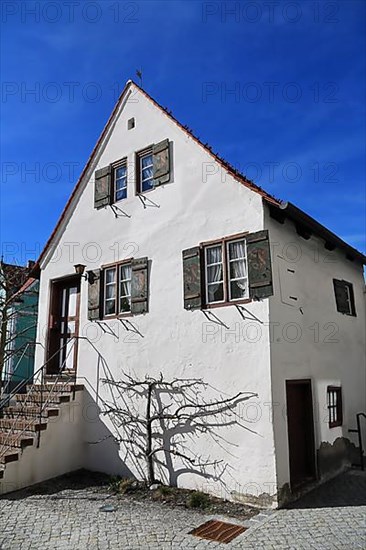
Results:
x,y
18,321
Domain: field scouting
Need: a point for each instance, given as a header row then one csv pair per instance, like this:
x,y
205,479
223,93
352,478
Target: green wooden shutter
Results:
x,y
102,187
139,286
94,298
259,265
192,283
161,162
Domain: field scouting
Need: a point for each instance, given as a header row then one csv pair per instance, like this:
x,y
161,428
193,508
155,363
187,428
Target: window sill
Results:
x,y
226,304
119,316
119,200
335,425
138,193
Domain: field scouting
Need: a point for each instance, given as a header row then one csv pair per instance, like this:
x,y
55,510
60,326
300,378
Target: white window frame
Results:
x,y
225,262
335,406
117,268
222,281
141,180
115,284
120,281
228,262
116,179
349,300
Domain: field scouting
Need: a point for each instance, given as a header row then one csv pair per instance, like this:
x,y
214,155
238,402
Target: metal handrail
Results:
x,y
42,406
359,433
30,378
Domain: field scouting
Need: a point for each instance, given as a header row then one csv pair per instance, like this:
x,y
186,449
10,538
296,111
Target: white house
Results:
x,y
186,268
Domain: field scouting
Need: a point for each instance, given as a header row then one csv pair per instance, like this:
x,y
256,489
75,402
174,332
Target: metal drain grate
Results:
x,y
218,531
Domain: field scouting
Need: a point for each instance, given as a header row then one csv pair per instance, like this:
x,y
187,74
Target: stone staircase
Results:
x,y
27,416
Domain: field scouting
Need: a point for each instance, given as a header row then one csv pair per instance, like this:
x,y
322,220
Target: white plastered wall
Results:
x,y
310,338
176,342
61,450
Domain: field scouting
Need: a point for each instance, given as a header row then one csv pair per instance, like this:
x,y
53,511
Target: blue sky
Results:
x,y
277,88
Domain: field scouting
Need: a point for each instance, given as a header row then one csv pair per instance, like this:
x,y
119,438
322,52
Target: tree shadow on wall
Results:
x,y
158,423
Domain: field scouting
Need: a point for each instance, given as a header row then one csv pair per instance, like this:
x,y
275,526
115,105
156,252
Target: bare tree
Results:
x,y
12,277
157,420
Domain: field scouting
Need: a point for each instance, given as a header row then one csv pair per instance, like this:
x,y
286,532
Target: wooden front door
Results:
x,y
63,326
300,432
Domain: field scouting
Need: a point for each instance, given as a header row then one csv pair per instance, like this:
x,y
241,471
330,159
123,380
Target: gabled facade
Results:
x,y
168,261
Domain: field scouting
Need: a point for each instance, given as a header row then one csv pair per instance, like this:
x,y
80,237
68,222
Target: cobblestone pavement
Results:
x,y
73,519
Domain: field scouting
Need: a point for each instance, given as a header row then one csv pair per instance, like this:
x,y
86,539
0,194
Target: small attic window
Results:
x,y
130,123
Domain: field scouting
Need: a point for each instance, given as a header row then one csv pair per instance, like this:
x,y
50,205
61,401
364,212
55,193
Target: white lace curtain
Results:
x,y
214,272
238,267
125,288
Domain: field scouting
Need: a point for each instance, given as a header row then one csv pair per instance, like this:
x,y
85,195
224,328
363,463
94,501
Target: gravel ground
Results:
x,y
81,513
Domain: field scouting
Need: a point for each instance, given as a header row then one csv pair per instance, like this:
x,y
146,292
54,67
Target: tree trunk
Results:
x,y
149,456
3,334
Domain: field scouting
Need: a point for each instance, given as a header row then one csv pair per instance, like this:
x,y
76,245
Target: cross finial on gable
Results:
x,y
139,75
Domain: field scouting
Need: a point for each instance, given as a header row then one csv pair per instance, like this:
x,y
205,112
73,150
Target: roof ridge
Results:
x,y
239,176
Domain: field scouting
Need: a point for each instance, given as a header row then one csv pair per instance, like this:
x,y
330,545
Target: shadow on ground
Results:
x,y
348,489
74,481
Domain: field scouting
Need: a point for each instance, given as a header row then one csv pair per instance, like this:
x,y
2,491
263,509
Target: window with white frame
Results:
x,y
110,291
214,274
120,182
345,300
125,288
117,289
226,271
145,179
334,401
237,270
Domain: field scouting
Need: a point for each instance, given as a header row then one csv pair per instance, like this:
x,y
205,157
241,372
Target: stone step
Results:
x,y
58,388
15,440
8,455
66,376
29,412
38,397
30,425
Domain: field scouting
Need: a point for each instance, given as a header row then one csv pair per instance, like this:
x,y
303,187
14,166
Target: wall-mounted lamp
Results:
x,y
79,270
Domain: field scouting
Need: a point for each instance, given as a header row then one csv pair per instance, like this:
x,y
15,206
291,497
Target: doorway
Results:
x,y
300,425
63,326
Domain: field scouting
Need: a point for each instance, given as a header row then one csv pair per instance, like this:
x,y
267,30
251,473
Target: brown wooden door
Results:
x,y
300,431
63,326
